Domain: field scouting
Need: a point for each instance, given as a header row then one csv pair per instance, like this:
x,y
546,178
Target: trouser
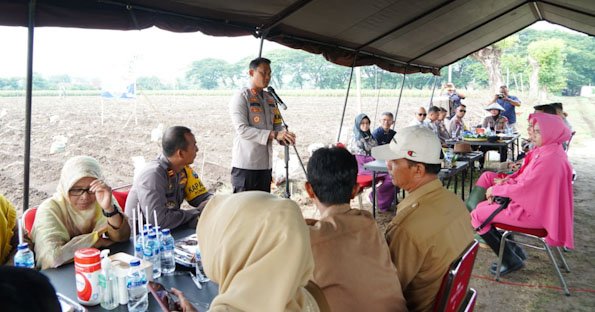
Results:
x,y
513,254
385,192
251,180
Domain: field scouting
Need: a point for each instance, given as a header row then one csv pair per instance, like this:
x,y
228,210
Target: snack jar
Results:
x,y
87,267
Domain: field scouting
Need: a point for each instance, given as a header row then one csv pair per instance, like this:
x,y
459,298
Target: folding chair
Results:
x,y
539,235
29,219
453,290
121,194
469,302
364,181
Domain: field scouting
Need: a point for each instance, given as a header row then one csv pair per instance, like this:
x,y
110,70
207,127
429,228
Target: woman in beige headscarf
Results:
x,y
256,247
8,227
77,215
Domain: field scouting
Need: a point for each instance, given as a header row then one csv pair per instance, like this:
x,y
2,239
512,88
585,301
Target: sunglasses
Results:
x,y
422,114
463,111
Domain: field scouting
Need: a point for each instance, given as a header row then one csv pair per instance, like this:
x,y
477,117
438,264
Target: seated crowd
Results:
x,y
265,256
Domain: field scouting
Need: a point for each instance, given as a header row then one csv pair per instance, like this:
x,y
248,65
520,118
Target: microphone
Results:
x,y
277,98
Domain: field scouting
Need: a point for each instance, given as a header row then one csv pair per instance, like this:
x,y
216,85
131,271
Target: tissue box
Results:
x,y
121,266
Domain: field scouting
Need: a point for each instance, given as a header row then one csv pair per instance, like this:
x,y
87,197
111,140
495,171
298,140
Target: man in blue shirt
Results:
x,y
508,102
384,133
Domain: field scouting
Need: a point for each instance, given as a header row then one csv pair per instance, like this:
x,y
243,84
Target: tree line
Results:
x,y
558,61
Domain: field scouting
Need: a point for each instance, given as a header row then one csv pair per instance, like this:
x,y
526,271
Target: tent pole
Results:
x,y
433,89
28,102
261,44
400,95
346,97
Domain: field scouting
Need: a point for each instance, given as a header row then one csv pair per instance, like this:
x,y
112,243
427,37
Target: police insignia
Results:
x,y
256,109
256,119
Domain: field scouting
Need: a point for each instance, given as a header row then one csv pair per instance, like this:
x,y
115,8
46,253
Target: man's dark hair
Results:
x,y
389,114
546,108
259,60
434,109
332,173
557,105
174,138
27,290
430,168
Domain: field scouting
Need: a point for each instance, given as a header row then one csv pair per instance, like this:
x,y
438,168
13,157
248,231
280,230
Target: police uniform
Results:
x,y
253,116
160,188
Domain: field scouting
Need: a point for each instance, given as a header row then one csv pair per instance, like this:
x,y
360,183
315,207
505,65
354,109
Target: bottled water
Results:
x,y
200,272
138,246
151,254
168,263
136,283
24,257
108,283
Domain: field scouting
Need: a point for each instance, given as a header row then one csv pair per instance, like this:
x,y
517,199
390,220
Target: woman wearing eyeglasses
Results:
x,y
361,146
82,213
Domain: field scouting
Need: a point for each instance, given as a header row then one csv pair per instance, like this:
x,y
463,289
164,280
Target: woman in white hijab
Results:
x,y
78,215
256,247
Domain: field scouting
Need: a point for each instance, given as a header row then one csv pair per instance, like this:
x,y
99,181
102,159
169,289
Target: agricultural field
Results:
x,y
116,131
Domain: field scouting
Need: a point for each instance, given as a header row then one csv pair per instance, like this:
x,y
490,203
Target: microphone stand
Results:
x,y
287,192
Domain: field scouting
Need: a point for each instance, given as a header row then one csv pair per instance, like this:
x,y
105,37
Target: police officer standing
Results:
x,y
257,122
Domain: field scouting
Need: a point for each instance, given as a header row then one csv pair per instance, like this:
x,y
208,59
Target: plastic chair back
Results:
x,y
121,197
454,286
29,218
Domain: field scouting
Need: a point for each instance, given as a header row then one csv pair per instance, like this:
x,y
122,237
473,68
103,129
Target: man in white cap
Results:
x,y
431,227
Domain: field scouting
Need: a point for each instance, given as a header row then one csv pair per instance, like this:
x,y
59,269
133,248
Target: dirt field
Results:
x,y
315,120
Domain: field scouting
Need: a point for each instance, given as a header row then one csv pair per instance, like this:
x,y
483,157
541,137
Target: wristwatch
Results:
x,y
113,213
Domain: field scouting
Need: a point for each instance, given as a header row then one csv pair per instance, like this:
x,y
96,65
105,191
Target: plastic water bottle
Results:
x,y
168,262
24,257
136,283
138,246
200,272
108,283
151,253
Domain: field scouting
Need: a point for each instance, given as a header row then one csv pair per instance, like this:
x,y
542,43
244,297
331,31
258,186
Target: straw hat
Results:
x,y
462,148
495,106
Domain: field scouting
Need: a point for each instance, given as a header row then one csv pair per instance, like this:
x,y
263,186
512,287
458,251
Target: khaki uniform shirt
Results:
x,y
253,116
431,229
352,262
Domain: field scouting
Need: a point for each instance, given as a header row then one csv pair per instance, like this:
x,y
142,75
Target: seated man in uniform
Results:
x,y
349,253
166,182
430,228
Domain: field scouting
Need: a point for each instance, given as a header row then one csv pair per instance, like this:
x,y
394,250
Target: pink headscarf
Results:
x,y
544,188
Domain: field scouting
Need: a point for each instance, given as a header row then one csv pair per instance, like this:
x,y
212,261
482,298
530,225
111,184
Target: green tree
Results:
x,y
150,83
550,55
207,73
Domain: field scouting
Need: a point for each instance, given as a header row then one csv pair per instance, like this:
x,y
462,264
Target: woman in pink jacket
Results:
x,y
540,195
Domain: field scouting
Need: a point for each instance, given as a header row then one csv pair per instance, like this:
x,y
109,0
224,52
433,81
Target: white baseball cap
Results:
x,y
417,143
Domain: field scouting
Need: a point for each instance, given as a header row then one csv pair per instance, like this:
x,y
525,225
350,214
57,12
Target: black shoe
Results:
x,y
504,269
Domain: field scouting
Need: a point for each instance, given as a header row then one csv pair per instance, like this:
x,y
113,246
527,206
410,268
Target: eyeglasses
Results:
x,y
463,111
80,191
422,114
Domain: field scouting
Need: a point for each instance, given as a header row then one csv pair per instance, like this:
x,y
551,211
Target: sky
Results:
x,y
107,54
99,53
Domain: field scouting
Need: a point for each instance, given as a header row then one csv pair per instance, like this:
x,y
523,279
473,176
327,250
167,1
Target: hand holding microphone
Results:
x,y
285,137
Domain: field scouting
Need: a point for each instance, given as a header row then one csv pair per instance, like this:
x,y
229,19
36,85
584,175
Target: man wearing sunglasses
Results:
x,y
456,124
420,118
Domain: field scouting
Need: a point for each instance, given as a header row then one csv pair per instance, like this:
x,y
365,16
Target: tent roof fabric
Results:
x,y
397,35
